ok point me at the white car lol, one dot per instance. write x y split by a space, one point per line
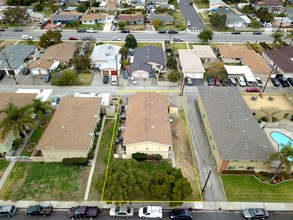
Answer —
150 212
241 81
26 37
114 80
188 23
132 80
121 212
116 39
91 30
258 82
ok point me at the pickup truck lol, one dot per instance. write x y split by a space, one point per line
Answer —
39 210
91 30
87 212
150 212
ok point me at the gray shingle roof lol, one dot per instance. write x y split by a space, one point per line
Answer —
147 54
237 134
15 54
163 18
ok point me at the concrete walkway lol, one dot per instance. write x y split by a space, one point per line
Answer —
89 181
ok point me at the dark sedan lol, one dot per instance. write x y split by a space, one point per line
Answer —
180 214
284 82
290 80
276 82
210 81
47 78
105 79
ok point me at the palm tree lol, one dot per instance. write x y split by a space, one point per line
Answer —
17 119
278 37
40 108
284 156
290 35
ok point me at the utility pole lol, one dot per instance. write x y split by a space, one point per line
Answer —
205 184
273 68
10 68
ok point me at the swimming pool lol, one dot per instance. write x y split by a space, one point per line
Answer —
281 140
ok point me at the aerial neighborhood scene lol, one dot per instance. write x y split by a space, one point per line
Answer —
165 109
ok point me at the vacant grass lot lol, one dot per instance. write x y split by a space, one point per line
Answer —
3 165
178 46
249 189
45 181
144 44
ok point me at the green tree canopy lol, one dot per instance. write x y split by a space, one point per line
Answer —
121 24
264 15
218 21
40 108
248 9
38 7
254 23
65 78
16 15
81 62
123 51
172 62
81 7
130 41
50 38
174 76
278 37
205 36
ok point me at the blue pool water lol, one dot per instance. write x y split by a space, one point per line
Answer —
281 139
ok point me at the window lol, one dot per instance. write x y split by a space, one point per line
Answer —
250 168
231 168
241 167
253 161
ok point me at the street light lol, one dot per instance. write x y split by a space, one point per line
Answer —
10 68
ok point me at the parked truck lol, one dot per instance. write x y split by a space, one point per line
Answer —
150 212
39 210
87 212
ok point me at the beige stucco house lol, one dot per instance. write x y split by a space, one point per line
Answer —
19 100
71 130
147 126
236 139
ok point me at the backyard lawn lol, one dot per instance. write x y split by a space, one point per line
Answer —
249 189
3 165
45 181
178 46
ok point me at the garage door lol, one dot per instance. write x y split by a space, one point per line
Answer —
35 72
135 74
113 73
105 73
145 75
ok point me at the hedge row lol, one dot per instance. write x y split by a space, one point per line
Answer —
247 172
143 156
75 161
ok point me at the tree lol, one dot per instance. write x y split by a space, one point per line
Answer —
81 62
156 23
40 108
123 51
121 24
248 9
65 78
264 15
284 157
278 37
130 41
170 185
205 36
290 35
16 15
16 119
172 62
174 76
218 21
38 7
50 38
81 7
254 23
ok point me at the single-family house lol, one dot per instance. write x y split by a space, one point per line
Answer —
242 145
68 138
236 21
158 2
147 126
204 52
131 18
106 58
281 58
94 18
166 6
19 100
214 4
53 56
147 60
283 22
13 58
191 64
66 16
273 6
165 19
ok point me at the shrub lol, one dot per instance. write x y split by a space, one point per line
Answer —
139 156
154 157
247 172
91 154
16 143
264 118
75 161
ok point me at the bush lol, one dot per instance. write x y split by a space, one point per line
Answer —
264 118
75 161
245 172
174 76
139 156
91 154
154 157
16 143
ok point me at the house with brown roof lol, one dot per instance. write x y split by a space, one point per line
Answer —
131 18
71 131
245 56
281 58
53 57
89 18
147 126
19 100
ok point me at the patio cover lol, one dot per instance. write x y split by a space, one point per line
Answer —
240 70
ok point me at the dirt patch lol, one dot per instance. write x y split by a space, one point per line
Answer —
183 154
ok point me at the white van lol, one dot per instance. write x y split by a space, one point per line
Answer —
27 37
150 212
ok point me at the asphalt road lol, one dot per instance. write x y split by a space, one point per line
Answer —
60 215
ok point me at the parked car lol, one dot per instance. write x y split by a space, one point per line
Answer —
232 82
1 76
105 79
178 39
236 32
188 23
180 214
26 37
2 29
248 83
121 212
116 39
114 80
217 82
290 80
114 27
91 30
55 101
7 210
173 32
276 82
81 30
256 33
132 80
162 32
19 29
87 212
284 82
241 81
188 81
73 38
253 89
39 210
224 82
150 212
125 74
210 81
258 82
125 31
25 71
255 213
47 78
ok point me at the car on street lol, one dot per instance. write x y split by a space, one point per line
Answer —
116 39
125 31
217 82
55 101
173 32
27 37
162 32
2 29
255 213
276 82
83 212
7 210
150 212
178 39
241 81
188 81
39 210
188 23
180 214
47 78
258 82
252 89
210 81
105 79
25 71
284 82
91 30
232 81
132 80
1 76
73 38
290 80
121 211
19 29
257 33
236 32
81 30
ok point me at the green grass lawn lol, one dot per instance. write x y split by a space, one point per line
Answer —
3 165
94 26
29 42
178 46
144 44
249 189
45 181
86 78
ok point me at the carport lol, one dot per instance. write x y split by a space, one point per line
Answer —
240 70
